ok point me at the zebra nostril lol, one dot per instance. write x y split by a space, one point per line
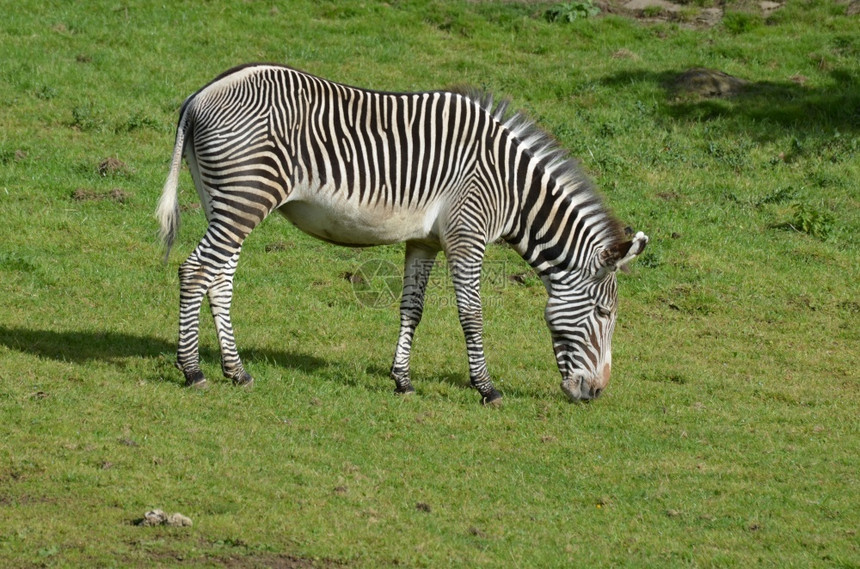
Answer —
597 392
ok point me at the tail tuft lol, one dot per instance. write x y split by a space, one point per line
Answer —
167 212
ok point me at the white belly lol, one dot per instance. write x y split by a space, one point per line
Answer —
347 223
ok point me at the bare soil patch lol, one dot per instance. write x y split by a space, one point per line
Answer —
273 561
687 14
117 195
113 166
702 82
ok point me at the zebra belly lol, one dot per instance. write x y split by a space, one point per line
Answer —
347 224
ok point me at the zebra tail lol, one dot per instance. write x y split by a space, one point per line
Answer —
168 206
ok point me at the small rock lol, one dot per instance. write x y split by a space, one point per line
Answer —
178 520
422 507
159 518
153 518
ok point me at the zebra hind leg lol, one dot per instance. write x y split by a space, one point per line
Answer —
220 298
208 270
195 278
417 268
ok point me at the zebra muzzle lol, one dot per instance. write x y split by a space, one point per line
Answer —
576 389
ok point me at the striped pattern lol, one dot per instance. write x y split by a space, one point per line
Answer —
440 170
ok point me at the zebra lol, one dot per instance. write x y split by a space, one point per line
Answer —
448 170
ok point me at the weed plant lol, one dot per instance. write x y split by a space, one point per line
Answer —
727 438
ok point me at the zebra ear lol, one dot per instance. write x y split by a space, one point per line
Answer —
621 254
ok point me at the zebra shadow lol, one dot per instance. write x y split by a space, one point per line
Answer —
455 379
85 346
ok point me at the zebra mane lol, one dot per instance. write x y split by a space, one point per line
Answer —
544 147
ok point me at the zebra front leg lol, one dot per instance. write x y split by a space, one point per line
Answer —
220 298
466 276
417 268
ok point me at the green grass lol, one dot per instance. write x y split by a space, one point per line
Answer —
728 436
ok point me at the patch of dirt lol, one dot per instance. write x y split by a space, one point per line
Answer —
112 166
686 14
353 278
273 561
117 195
853 8
250 561
799 79
24 500
703 82
277 246
645 7
625 54
477 532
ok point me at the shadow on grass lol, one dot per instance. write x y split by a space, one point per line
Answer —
453 379
763 105
80 346
83 346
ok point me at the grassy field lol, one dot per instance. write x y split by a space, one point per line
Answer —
728 437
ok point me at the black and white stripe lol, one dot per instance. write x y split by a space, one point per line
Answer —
440 170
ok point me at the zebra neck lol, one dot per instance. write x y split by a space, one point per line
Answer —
561 227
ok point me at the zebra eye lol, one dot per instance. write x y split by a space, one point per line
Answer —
603 311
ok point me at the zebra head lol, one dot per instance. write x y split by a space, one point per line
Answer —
581 316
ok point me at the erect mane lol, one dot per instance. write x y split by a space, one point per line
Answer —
556 160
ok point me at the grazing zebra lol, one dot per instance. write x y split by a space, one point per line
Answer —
440 170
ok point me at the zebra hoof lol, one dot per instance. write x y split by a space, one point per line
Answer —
196 380
492 399
245 380
404 390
